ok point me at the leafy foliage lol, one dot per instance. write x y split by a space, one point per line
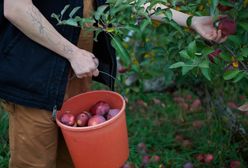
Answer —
153 49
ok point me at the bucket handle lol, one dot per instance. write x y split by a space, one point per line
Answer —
118 81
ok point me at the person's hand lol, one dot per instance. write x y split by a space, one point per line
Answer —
205 27
84 64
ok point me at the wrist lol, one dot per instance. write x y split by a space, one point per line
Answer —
70 52
193 22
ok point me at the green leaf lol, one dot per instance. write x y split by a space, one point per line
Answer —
133 28
176 26
186 69
72 13
117 9
235 40
239 77
205 72
144 24
53 15
244 52
177 65
70 22
116 42
97 32
192 48
231 74
207 50
64 10
100 11
244 25
118 2
204 64
184 54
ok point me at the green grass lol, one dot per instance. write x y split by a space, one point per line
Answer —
4 148
157 125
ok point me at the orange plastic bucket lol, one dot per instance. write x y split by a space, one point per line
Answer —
101 146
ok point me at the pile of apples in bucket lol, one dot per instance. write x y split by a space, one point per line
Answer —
98 113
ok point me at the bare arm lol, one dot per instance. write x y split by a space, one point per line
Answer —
203 25
179 17
25 16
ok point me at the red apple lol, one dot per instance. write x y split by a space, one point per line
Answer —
196 105
197 124
208 158
95 120
146 159
112 113
128 165
187 143
188 97
82 119
68 119
232 105
100 108
179 138
184 106
141 148
224 8
178 99
188 165
200 157
235 164
155 158
214 55
227 26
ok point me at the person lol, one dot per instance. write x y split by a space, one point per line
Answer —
37 62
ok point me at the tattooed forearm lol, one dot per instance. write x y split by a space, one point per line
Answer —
49 34
36 18
67 49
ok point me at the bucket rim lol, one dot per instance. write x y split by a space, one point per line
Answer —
98 126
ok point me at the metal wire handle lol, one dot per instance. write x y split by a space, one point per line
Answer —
118 81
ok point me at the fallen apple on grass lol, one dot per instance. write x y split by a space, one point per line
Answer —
205 158
141 148
197 124
188 165
235 164
196 105
128 165
155 159
146 160
208 158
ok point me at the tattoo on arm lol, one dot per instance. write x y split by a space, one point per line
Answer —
36 20
67 49
38 23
